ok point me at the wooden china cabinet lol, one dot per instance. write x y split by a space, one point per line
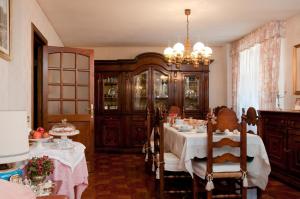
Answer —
125 88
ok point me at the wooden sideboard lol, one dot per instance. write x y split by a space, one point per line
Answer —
125 88
281 135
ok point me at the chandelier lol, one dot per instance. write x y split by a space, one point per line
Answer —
182 54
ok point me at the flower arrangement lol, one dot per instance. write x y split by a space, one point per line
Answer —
41 166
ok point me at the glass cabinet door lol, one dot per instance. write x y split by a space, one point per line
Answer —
110 93
191 92
160 89
140 91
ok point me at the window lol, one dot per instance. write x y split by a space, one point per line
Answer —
249 81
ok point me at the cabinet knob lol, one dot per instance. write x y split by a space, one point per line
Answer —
291 123
287 150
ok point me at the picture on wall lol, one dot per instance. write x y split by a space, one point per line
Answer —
5 29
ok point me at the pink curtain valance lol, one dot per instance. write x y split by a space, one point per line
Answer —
273 29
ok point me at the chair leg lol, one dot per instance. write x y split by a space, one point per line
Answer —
161 183
244 192
209 194
259 193
195 186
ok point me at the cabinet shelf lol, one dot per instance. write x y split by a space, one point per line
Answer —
191 98
161 98
110 84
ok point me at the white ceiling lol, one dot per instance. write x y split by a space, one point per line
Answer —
160 22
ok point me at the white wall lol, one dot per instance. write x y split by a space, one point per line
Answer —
217 81
15 75
292 38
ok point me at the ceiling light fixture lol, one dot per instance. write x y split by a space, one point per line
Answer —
182 54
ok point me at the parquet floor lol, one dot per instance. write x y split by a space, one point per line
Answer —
123 176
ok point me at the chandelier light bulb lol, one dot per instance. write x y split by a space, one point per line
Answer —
194 54
179 48
199 46
168 52
207 51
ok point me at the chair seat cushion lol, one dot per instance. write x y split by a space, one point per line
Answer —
199 168
171 162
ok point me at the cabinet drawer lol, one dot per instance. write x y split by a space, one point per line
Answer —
137 118
275 122
107 118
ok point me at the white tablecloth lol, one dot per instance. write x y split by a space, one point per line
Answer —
69 157
188 145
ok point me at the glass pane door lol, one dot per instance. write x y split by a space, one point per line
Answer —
140 91
68 83
160 89
191 92
110 93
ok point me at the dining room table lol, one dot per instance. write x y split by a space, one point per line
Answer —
190 144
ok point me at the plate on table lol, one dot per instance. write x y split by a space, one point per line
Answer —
71 133
41 139
185 128
63 144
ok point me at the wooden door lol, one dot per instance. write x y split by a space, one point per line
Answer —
275 145
68 91
192 99
293 151
141 99
160 86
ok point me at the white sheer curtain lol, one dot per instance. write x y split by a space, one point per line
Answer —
249 79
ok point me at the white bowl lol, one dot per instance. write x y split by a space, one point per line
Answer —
179 121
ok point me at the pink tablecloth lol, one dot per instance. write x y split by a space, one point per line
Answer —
9 190
73 183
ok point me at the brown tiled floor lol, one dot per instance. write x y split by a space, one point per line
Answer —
123 176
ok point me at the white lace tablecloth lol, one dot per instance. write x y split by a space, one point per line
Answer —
70 157
188 145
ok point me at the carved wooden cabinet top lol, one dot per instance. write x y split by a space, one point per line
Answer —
279 111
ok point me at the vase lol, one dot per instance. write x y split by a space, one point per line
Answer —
37 179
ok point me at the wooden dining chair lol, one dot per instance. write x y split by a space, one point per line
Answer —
217 109
148 147
226 168
252 119
175 110
167 171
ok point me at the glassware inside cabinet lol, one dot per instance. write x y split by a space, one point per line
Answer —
191 92
160 89
140 90
110 93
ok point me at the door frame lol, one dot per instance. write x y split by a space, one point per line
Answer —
36 35
72 117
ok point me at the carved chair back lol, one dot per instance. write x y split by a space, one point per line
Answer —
175 110
226 119
252 119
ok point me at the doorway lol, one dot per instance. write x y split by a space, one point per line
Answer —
38 41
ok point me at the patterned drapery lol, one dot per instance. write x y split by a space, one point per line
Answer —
269 37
